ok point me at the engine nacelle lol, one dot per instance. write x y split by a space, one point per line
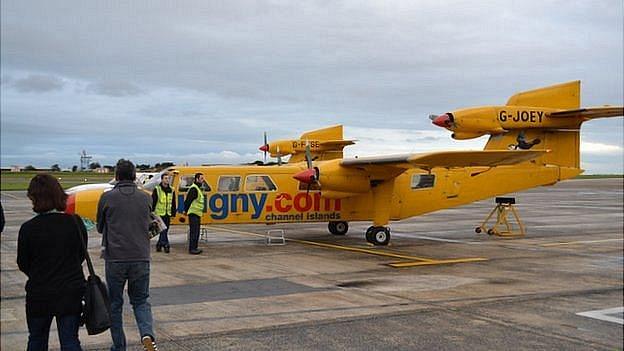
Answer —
473 122
333 176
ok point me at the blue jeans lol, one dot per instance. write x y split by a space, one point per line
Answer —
39 330
137 274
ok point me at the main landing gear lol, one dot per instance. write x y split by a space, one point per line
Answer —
378 235
338 228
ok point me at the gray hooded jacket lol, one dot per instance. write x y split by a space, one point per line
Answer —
123 218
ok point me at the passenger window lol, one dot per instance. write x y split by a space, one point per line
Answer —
187 180
228 184
259 183
420 181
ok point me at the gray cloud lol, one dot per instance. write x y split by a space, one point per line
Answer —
38 83
114 89
223 73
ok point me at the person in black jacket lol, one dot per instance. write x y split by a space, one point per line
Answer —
1 218
50 253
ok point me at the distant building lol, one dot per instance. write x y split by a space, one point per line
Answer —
102 170
16 168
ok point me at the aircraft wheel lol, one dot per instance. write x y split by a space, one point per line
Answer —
338 228
378 235
478 230
369 237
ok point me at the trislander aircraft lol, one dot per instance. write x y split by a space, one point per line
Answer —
534 140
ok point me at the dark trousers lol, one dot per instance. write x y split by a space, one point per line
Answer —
39 331
194 223
163 239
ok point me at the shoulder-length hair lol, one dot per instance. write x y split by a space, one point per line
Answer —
46 194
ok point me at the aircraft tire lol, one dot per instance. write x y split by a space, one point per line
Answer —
378 236
338 228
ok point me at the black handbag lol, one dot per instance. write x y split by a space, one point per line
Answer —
96 312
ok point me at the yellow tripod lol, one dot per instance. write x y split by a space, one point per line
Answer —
504 205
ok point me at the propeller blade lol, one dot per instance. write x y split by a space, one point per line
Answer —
265 144
308 156
432 117
279 157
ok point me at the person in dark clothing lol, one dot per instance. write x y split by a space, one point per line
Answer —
1 218
50 253
194 208
164 205
123 217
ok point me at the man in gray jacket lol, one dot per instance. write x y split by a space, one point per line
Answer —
123 218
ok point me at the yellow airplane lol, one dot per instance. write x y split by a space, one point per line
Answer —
534 141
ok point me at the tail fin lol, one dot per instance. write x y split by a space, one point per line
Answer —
560 96
326 144
562 136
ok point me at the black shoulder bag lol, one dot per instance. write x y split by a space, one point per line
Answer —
96 311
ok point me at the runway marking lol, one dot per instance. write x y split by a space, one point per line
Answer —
10 195
605 315
413 260
436 262
580 242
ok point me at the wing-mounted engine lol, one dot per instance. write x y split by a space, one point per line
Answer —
324 144
549 108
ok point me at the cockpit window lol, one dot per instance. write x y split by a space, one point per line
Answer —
420 181
187 180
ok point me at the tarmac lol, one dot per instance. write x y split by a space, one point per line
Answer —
438 285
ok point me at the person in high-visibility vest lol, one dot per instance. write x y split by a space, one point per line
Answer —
194 208
164 205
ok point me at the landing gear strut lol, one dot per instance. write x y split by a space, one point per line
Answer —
338 228
378 235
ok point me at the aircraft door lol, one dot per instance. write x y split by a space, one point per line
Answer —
453 182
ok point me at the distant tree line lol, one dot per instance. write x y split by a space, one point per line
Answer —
95 165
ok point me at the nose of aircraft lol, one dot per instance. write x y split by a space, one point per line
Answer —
264 147
306 176
443 121
70 208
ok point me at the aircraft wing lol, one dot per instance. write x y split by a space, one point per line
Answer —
590 112
447 159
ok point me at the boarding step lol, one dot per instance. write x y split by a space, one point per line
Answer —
275 237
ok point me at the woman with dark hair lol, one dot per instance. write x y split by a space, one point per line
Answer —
50 253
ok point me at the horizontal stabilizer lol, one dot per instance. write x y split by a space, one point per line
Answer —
590 112
448 159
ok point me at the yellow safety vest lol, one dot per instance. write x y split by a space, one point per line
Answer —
197 206
165 200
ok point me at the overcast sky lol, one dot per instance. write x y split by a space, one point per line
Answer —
200 81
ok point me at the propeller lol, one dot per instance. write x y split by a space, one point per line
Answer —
265 147
279 156
311 174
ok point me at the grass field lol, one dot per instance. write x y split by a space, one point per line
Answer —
20 180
